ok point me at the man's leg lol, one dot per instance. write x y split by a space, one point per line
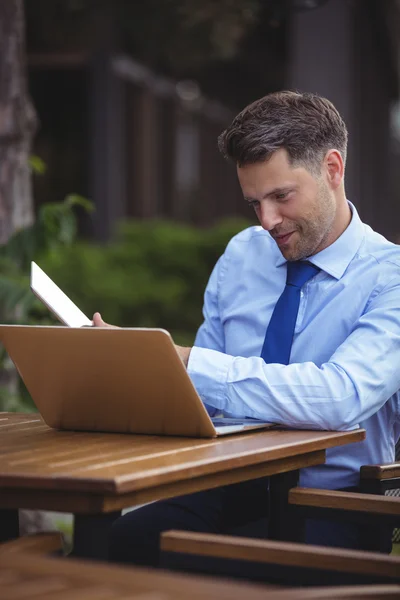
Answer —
346 535
354 536
135 537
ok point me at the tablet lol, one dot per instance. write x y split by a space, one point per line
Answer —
56 301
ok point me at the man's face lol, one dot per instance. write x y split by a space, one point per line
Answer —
297 208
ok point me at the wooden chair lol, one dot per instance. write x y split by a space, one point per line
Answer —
370 507
276 562
377 479
383 479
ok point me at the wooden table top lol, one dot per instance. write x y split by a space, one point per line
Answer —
29 576
34 456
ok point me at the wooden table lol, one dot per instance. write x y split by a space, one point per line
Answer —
95 475
29 576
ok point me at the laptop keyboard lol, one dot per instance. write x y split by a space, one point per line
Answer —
228 422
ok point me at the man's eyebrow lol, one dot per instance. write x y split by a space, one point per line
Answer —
278 190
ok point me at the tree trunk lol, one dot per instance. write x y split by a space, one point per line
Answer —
17 123
17 126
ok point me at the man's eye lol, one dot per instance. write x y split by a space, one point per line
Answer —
281 196
254 204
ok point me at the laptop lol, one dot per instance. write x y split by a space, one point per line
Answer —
128 380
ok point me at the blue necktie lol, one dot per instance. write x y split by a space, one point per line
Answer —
278 339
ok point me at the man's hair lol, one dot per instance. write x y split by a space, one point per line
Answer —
305 125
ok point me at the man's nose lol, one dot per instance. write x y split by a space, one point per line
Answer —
269 216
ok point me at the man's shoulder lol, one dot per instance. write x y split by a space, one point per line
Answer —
246 247
381 249
251 236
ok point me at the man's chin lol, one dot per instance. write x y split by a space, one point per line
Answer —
293 254
289 253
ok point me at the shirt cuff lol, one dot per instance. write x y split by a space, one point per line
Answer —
208 370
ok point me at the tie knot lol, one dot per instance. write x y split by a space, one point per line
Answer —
299 272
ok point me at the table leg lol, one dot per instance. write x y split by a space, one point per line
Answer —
91 535
283 523
9 524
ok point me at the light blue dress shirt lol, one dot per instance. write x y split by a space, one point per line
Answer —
344 369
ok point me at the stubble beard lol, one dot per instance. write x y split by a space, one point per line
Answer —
313 231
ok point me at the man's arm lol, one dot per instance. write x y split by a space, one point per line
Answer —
357 380
183 352
210 334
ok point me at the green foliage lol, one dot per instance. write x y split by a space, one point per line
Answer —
37 165
54 229
55 226
19 401
153 274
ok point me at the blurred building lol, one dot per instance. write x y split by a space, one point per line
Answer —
142 143
348 50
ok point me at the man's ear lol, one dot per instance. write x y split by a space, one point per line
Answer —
334 166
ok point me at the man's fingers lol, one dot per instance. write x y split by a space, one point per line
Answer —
98 322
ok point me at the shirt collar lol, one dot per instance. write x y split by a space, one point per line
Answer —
335 259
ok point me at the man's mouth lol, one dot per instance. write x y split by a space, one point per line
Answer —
281 240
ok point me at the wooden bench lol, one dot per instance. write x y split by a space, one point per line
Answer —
30 576
266 557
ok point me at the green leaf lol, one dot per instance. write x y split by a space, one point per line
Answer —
37 165
77 200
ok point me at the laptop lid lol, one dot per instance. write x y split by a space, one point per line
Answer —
113 380
69 314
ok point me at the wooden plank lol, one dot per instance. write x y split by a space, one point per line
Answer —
60 579
82 578
205 482
89 502
42 543
35 587
371 503
282 553
34 455
354 592
389 471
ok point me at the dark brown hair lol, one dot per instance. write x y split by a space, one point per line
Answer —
306 125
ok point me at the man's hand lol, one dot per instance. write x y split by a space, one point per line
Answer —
184 354
98 322
182 351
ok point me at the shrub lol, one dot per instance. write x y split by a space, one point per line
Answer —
153 274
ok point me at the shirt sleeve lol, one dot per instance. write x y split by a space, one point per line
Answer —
359 378
211 334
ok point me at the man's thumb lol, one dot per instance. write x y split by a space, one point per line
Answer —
97 320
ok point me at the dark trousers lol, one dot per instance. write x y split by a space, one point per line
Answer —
135 537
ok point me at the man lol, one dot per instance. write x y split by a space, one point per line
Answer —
311 344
